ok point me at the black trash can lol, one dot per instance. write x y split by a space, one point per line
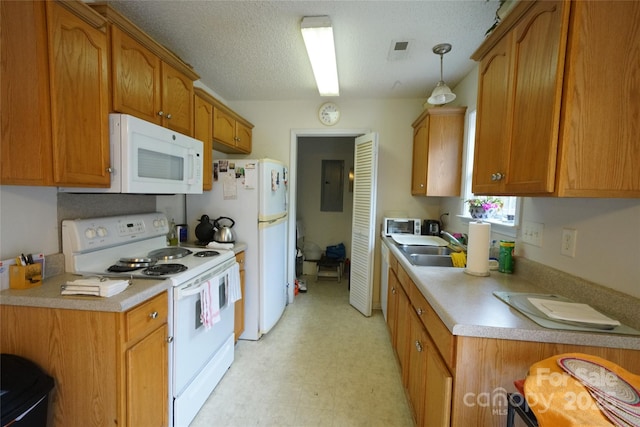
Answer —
24 392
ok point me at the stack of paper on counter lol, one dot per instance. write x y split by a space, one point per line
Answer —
94 286
573 312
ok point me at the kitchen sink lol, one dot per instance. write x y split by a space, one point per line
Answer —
425 250
427 256
421 260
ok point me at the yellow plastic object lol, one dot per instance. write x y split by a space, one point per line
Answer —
459 259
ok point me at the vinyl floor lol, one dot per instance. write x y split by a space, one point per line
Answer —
323 364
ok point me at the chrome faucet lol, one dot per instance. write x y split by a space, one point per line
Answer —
453 241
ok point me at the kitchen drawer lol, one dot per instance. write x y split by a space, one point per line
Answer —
404 279
240 259
146 317
439 333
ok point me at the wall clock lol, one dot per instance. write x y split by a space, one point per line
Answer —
329 113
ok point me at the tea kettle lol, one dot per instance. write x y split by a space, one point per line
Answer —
204 230
223 233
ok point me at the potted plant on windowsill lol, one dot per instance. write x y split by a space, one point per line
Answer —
484 207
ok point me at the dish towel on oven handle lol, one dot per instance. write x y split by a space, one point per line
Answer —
235 292
210 304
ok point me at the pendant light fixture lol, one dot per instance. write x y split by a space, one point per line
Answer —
441 94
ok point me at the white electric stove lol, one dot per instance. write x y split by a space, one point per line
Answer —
135 246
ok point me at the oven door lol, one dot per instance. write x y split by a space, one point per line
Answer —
194 345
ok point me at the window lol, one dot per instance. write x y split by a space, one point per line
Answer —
508 214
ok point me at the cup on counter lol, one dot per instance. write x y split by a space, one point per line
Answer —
182 230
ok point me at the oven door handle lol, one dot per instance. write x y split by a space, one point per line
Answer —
188 290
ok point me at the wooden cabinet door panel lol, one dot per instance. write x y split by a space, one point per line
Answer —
177 100
438 390
136 78
403 333
147 380
600 139
79 99
223 127
491 147
203 131
243 135
418 347
420 153
392 306
538 54
25 117
444 158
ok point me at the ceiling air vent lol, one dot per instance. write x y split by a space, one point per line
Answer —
399 50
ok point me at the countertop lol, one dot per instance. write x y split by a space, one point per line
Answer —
48 294
467 306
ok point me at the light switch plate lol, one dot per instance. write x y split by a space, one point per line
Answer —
569 236
532 233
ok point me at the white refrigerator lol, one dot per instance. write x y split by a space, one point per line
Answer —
254 194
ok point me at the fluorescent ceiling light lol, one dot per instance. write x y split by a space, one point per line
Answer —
318 38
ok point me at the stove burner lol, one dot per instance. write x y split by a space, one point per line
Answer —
204 254
169 253
122 268
163 269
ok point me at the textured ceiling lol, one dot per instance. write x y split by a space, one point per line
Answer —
253 50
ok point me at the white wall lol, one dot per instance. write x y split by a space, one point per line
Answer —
28 220
608 229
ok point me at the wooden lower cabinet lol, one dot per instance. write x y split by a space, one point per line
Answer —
430 383
453 380
109 368
238 328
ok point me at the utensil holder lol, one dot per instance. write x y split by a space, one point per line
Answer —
25 276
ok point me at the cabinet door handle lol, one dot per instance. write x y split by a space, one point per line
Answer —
161 113
497 176
418 346
419 311
153 315
393 291
109 169
169 340
168 116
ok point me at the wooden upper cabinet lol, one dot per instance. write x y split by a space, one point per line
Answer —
231 133
539 44
224 127
25 112
177 100
567 122
491 146
600 142
519 92
244 135
203 131
437 152
79 87
136 78
149 81
55 131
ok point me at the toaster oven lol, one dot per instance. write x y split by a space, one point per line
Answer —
401 226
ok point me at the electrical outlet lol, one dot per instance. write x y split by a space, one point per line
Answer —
569 236
532 233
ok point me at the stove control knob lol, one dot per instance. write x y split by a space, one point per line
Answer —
90 233
102 232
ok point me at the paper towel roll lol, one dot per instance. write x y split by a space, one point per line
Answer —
478 249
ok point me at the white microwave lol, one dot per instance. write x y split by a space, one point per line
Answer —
150 159
401 226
